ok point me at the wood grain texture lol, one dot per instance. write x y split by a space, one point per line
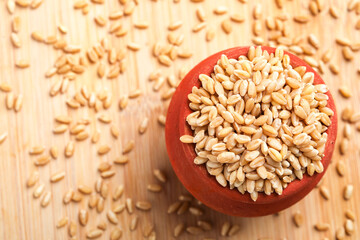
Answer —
22 217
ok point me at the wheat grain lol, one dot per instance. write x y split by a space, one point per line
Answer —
143 125
154 188
347 53
121 160
313 8
225 229
62 222
325 193
81 136
141 24
111 216
350 215
33 179
220 10
143 205
348 191
133 223
42 161
340 168
129 8
16 24
115 132
340 233
93 199
233 230
133 46
185 197
129 146
196 211
204 225
103 149
104 168
83 217
98 185
22 3
5 87
334 12
84 189
135 93
314 41
129 205
3 137
100 205
173 207
226 26
79 4
148 229
45 200
38 191
343 41
102 225
162 119
357 25
118 192
179 228
258 40
302 19
199 27
50 39
10 6
279 3
194 230
68 196
115 27
184 53
60 129
352 5
321 227
345 91
76 197
159 175
210 34
69 149
184 207
94 233
165 60
72 229
115 234
298 219
56 177
108 174
349 227
119 208
334 68
200 14
22 63
175 25
257 11
36 150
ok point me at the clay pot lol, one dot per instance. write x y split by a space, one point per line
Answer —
202 185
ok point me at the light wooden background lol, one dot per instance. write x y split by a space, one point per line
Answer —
22 217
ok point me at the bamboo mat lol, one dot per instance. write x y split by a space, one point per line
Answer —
21 215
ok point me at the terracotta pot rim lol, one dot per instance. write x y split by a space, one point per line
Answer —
176 126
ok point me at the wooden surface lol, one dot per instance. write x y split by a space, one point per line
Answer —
22 217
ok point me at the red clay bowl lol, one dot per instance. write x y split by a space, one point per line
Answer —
202 185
